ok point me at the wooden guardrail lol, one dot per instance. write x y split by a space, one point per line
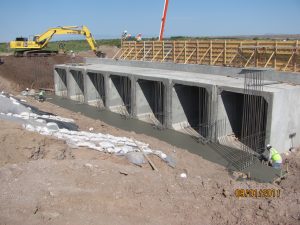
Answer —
280 55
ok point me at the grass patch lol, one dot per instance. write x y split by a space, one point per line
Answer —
3 47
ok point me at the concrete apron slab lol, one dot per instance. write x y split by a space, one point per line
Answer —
258 171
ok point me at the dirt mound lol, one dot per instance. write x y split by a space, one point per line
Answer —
32 72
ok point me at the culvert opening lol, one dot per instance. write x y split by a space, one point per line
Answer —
150 101
190 109
62 81
121 90
96 93
78 85
247 118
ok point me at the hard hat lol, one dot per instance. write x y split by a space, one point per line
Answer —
269 146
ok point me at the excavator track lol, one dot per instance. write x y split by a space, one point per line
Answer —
35 53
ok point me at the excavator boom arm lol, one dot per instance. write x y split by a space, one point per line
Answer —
44 39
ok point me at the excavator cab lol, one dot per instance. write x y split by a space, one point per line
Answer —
35 37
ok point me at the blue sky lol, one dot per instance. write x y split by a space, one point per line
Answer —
107 19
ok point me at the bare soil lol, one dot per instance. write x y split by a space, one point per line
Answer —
33 72
43 181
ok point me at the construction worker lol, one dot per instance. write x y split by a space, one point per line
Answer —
42 96
139 37
124 35
274 157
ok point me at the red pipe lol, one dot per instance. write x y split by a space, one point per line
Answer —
163 20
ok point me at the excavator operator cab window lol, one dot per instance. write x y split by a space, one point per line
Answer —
35 38
21 39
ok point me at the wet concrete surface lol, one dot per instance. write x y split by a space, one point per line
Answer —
257 170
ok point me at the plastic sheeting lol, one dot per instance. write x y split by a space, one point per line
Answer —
15 111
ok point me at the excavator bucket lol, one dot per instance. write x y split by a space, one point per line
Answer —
100 54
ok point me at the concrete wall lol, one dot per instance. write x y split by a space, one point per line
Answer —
75 82
150 100
285 119
190 106
95 89
119 93
230 108
60 82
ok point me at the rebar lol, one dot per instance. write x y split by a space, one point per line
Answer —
254 113
159 102
126 93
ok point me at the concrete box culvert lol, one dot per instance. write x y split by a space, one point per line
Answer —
282 98
191 106
60 81
151 101
75 83
95 89
119 94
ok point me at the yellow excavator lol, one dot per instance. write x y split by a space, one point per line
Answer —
35 47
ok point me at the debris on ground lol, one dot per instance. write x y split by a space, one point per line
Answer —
183 175
136 158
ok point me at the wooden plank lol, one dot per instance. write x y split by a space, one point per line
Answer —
204 55
146 156
210 54
128 53
166 55
174 51
146 55
156 54
188 58
225 53
136 55
217 57
269 59
179 53
295 62
249 59
288 61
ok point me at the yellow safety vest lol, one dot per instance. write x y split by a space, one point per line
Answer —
275 156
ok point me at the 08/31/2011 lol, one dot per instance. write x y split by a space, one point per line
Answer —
258 193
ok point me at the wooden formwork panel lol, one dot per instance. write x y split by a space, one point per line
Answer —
281 55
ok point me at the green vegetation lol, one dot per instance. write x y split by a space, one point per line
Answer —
82 45
75 45
3 47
